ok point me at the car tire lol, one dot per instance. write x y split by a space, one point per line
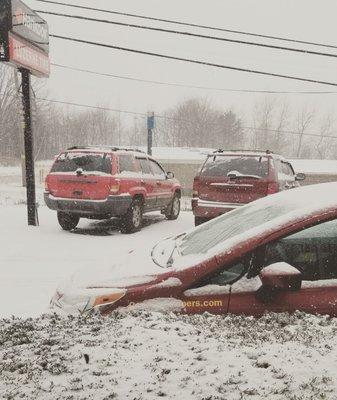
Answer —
200 220
67 221
132 221
173 209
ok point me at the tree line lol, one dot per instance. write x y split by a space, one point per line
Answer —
196 122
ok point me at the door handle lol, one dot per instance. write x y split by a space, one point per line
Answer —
158 183
142 181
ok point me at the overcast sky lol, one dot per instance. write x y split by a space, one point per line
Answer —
309 20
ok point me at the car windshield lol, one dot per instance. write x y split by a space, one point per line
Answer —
88 162
229 225
222 165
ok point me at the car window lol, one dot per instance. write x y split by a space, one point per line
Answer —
126 163
286 169
221 165
226 276
313 251
157 170
145 166
88 162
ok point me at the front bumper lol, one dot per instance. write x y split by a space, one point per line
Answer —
212 209
113 206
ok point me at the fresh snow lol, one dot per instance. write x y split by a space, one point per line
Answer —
280 268
34 261
150 355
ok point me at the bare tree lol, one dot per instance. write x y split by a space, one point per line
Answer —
304 120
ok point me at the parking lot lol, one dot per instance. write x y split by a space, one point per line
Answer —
34 260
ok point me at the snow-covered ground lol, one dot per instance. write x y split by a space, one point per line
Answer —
144 355
138 354
34 260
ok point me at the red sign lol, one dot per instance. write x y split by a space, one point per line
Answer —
23 54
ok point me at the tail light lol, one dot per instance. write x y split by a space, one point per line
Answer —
195 192
114 187
272 188
46 187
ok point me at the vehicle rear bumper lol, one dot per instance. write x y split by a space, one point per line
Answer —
212 209
113 206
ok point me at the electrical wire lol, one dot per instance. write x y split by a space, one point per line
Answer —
193 61
190 24
178 119
188 86
190 34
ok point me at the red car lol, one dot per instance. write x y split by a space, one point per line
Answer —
230 179
275 254
105 182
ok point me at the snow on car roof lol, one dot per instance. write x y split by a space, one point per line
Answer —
219 236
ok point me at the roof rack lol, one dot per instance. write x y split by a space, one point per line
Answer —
244 150
111 148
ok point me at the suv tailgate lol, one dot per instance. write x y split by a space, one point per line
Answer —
80 175
234 179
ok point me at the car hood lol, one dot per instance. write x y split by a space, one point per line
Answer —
90 288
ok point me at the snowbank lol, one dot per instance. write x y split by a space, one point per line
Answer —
146 355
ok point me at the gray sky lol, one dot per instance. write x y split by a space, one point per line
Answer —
301 19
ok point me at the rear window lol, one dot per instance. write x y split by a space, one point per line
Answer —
222 165
88 162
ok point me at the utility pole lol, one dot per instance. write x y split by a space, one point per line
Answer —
150 127
18 103
29 147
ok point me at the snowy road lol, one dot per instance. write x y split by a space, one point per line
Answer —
34 260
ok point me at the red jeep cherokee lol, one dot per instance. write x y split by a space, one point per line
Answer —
104 182
230 179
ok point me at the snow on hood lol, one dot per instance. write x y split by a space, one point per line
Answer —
78 293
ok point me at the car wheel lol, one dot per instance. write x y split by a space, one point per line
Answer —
174 208
133 219
200 220
67 221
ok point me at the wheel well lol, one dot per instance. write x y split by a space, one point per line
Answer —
139 197
178 191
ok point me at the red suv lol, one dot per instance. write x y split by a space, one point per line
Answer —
104 182
230 179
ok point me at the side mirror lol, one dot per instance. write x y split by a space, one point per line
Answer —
300 176
169 175
278 277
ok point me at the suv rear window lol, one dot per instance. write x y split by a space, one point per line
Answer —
221 165
89 162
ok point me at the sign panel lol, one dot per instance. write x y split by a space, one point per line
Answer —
23 54
16 17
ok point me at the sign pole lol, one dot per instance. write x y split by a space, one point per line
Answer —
29 147
150 126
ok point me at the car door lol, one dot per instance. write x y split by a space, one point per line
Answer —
149 183
313 252
213 293
162 186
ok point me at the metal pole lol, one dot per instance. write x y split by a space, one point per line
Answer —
29 148
150 126
149 142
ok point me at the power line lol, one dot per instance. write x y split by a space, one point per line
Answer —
178 119
188 86
191 24
192 61
190 34
89 106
